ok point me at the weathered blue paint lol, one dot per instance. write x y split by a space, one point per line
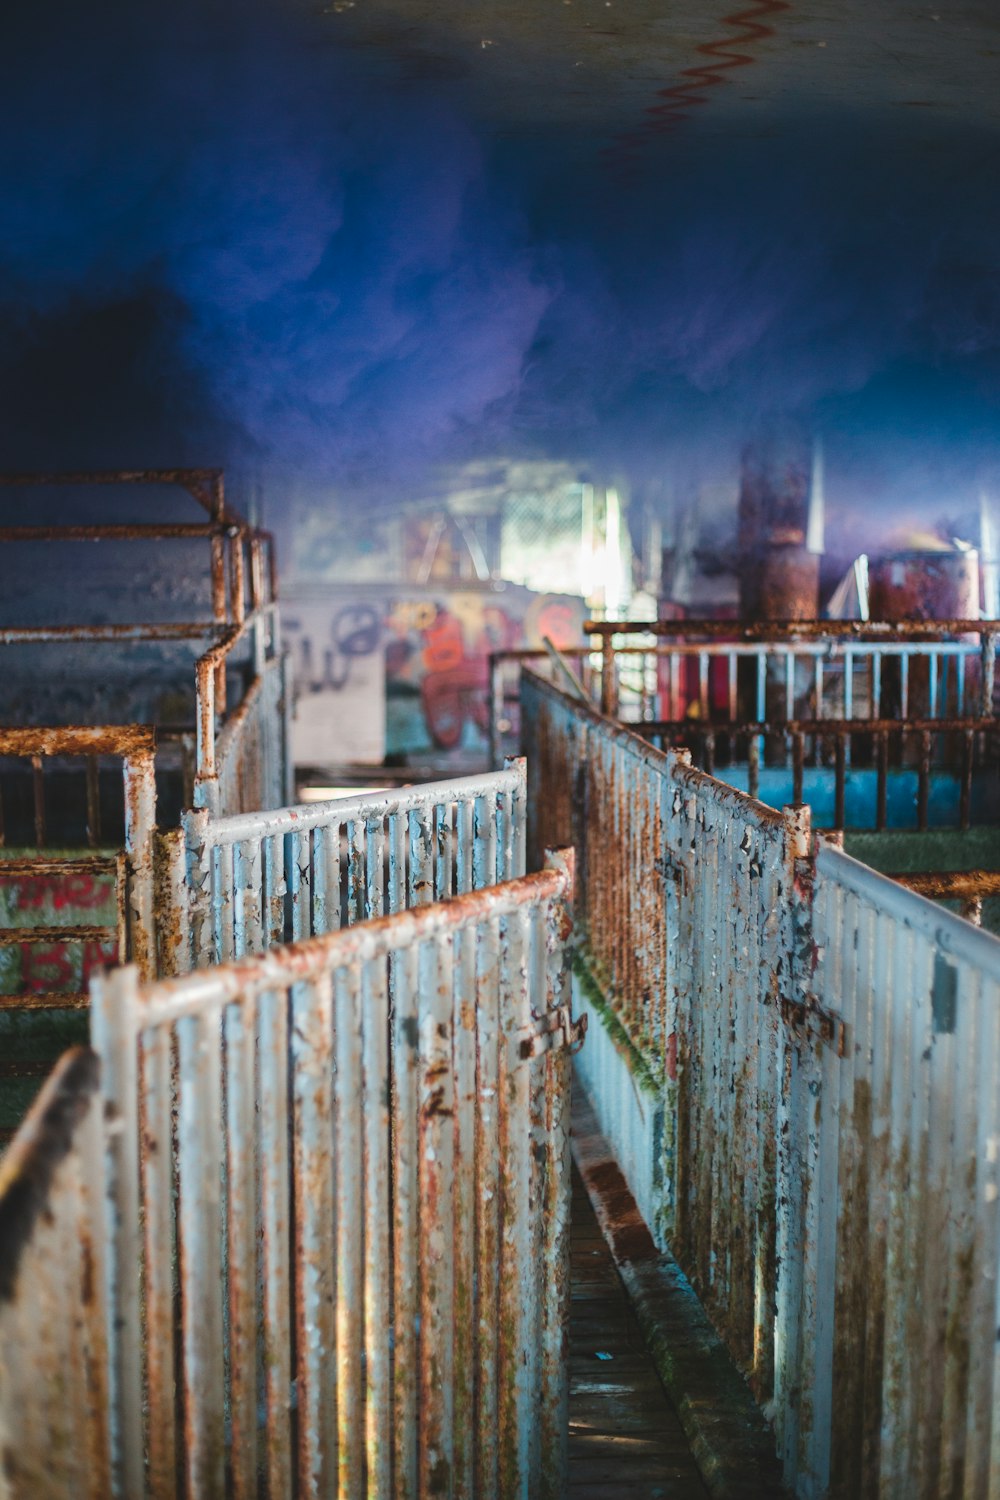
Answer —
860 791
827 1045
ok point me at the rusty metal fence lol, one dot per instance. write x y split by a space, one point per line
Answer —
806 1055
234 689
216 688
335 1220
876 724
887 1302
132 746
238 885
761 670
710 678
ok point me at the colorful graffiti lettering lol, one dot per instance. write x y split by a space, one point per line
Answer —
436 654
55 965
31 893
62 967
355 632
453 690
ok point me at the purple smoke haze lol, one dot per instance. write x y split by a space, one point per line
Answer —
221 238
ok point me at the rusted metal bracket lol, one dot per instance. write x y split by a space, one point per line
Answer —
557 1028
809 1020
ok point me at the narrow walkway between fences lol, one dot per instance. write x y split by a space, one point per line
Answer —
625 1441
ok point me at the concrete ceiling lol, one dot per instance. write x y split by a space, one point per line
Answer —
622 73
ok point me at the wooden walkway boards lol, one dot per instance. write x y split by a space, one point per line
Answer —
625 1442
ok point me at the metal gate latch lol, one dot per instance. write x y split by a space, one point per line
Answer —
556 1028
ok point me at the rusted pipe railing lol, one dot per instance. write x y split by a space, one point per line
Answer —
931 743
212 751
732 671
767 630
134 746
969 887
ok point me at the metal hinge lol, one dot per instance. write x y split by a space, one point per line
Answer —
809 1019
557 1028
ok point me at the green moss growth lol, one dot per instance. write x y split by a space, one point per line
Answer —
638 1065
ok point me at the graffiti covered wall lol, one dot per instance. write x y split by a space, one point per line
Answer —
401 671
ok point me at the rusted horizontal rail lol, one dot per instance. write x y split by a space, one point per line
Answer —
79 739
91 864
139 531
75 933
668 728
205 486
725 646
305 961
16 635
539 653
951 885
658 651
366 808
111 476
774 630
46 1000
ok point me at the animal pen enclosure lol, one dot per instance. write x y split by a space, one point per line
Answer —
795 1061
296 1203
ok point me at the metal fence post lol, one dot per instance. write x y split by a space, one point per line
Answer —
198 856
556 1195
206 786
172 904
140 826
676 987
287 715
804 1334
988 641
519 815
609 678
114 1025
496 700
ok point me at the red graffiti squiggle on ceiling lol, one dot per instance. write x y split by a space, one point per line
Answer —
694 85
